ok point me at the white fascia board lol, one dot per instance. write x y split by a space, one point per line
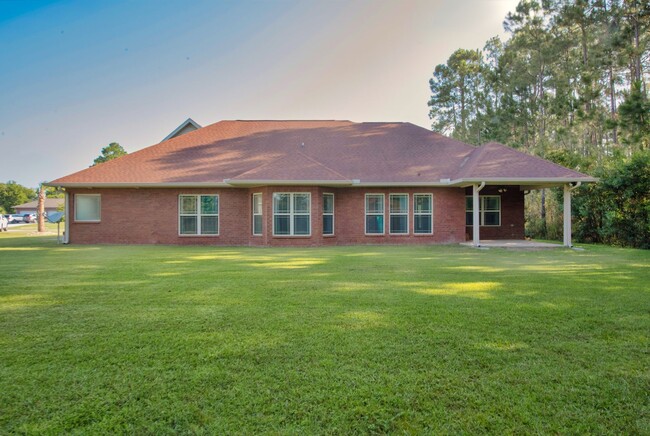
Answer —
141 185
523 181
401 184
253 182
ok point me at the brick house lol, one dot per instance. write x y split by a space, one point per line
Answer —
307 183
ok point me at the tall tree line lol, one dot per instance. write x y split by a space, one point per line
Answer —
573 76
570 83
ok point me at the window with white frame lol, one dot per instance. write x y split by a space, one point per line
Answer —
198 214
489 210
328 214
291 214
257 214
374 214
87 208
398 214
423 214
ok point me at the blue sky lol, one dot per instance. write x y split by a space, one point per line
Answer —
77 75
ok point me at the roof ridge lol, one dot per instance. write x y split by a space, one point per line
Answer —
239 176
473 158
289 121
322 164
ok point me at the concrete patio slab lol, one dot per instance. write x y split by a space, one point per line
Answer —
514 244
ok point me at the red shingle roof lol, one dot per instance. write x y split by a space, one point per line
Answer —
237 152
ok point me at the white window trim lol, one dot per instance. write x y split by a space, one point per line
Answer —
75 208
291 215
261 214
482 210
198 216
391 214
329 235
430 195
383 213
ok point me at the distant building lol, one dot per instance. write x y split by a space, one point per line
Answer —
51 205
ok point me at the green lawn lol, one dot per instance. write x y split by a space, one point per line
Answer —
434 339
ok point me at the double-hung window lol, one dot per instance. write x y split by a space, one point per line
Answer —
328 214
257 214
198 214
399 214
374 214
489 210
87 208
423 214
292 214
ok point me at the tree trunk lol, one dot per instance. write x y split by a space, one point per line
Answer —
637 54
41 209
462 104
612 102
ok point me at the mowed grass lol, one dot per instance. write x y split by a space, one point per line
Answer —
343 340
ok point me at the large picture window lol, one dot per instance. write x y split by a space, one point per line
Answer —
328 214
374 214
489 210
87 208
198 214
423 214
292 214
257 214
399 214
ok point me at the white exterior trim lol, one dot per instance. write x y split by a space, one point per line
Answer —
199 215
408 215
291 215
257 182
365 214
76 208
230 183
66 227
253 214
329 235
429 214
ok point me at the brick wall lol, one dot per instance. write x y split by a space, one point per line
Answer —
150 216
512 214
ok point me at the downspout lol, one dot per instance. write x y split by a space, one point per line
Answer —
567 212
476 237
66 228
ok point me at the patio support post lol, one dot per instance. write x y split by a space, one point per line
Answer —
476 237
567 213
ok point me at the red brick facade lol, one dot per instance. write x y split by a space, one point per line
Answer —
151 216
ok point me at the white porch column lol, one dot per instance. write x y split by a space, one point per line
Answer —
567 215
476 237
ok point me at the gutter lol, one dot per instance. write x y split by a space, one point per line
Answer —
66 227
230 183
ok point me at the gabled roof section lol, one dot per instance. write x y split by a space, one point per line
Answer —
187 126
494 161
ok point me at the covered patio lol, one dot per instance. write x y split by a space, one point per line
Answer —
524 185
